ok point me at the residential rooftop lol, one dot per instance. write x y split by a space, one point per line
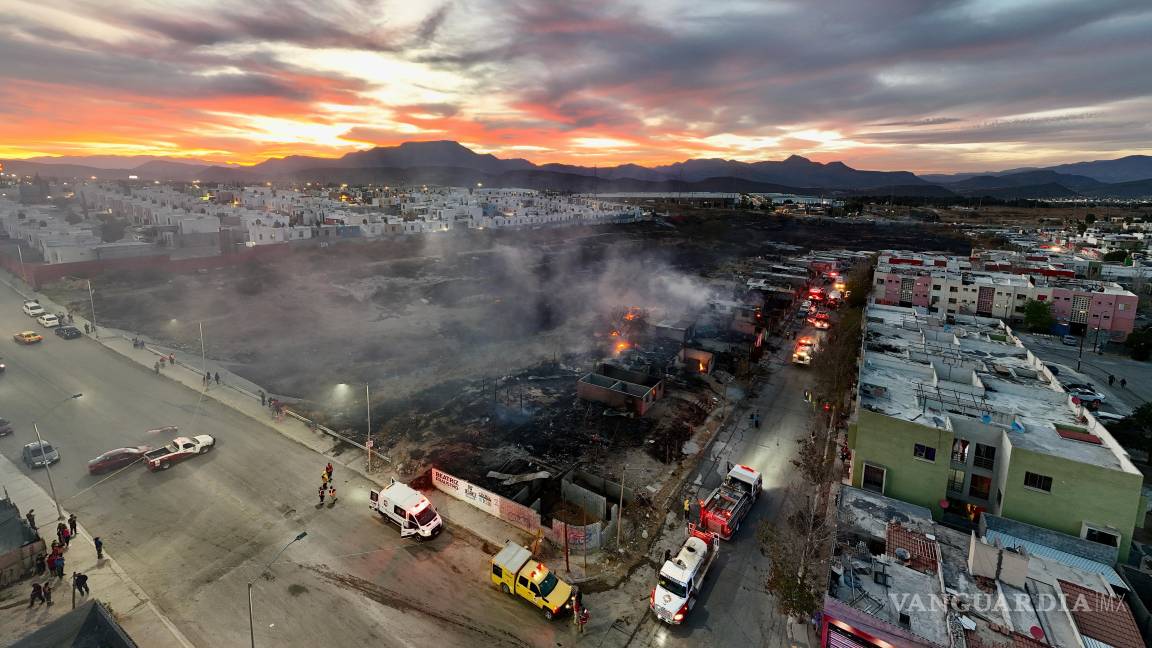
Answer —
973 373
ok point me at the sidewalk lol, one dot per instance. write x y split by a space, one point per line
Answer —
136 613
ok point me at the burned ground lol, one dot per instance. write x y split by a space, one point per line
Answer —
431 323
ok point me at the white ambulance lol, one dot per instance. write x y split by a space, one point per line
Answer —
407 509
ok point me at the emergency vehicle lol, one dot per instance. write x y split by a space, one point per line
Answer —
805 349
728 505
681 577
514 570
407 509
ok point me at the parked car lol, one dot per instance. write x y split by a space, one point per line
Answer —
1087 395
28 337
40 453
48 320
1108 417
5 427
117 458
1070 340
68 332
32 308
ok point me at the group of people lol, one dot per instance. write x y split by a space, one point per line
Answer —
169 359
53 563
327 485
208 377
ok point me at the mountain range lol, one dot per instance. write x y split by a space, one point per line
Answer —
450 163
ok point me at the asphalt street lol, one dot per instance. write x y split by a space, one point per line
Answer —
194 536
1138 375
734 608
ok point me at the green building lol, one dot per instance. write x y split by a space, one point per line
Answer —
959 417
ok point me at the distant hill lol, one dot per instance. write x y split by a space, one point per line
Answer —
1025 179
1125 169
447 162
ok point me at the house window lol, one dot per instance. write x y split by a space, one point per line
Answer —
956 481
873 479
981 487
926 453
985 457
1110 538
1038 482
960 451
935 286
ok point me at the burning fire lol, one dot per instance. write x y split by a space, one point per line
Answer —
622 345
615 333
703 368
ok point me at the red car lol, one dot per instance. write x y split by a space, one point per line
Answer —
114 459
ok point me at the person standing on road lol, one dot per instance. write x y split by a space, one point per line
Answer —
67 535
172 359
217 377
332 494
324 479
156 367
328 470
31 517
41 565
37 595
687 508
263 399
99 547
47 589
1111 379
80 582
1123 383
60 567
72 523
60 531
321 494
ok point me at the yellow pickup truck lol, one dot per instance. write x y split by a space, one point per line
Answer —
514 570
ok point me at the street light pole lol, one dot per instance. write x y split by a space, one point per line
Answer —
92 304
620 511
203 354
40 445
368 400
251 626
48 471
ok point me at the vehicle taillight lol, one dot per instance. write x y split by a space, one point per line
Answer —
725 529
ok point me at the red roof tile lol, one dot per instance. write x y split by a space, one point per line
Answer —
924 553
1103 617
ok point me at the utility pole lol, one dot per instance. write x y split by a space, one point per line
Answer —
203 354
1080 356
368 400
92 304
48 471
20 253
620 511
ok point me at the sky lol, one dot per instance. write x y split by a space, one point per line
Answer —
921 85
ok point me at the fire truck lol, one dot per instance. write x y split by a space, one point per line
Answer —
723 510
681 577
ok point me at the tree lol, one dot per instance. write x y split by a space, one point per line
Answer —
1090 218
1135 431
1038 316
1116 256
859 284
1139 344
111 231
794 547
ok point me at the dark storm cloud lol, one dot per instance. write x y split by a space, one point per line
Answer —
892 61
313 24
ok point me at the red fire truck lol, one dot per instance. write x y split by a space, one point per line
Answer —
723 510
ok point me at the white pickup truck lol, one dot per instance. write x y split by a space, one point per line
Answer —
682 576
180 449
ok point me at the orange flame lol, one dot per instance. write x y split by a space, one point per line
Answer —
615 333
622 345
702 368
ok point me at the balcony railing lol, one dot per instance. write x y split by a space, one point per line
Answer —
959 457
956 487
984 462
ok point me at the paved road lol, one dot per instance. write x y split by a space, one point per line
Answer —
194 536
734 609
1098 367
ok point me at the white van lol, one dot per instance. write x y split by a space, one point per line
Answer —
407 509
